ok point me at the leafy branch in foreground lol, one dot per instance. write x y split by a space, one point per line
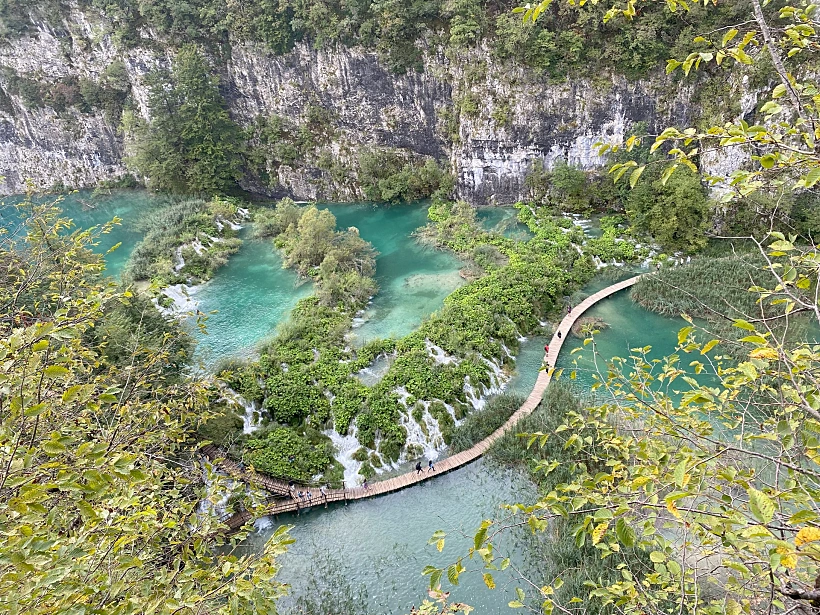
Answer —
99 489
716 484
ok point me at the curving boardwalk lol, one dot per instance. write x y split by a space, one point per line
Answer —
295 504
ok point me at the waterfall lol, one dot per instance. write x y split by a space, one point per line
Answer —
345 447
431 442
438 354
183 298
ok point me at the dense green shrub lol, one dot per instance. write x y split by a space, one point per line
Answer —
445 421
674 214
341 262
389 176
291 398
284 453
176 228
223 429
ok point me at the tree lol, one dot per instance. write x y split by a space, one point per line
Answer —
190 145
99 487
673 213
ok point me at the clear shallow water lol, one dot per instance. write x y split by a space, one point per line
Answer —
630 326
87 210
528 364
413 279
381 543
503 220
251 294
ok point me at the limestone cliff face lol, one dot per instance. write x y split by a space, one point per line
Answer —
489 119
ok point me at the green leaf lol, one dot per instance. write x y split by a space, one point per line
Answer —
452 574
680 473
53 447
55 371
753 339
635 176
728 37
803 516
768 161
812 177
708 346
625 533
760 505
488 580
742 324
657 557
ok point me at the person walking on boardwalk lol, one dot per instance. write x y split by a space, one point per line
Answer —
323 491
418 468
546 348
430 466
559 335
309 496
365 485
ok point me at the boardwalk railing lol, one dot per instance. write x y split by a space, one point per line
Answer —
289 500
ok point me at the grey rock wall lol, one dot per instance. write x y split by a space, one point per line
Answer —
519 117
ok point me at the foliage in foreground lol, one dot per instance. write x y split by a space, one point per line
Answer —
99 491
716 485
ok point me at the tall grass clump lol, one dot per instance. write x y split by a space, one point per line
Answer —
717 291
172 232
481 424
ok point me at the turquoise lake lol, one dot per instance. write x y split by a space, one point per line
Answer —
87 210
380 545
413 279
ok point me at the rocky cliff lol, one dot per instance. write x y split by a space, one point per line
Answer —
491 120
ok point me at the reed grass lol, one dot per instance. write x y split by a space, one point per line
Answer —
481 424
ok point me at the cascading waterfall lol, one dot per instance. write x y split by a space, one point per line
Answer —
438 354
345 447
183 297
431 442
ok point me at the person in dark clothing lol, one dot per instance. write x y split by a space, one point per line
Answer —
430 466
418 467
559 335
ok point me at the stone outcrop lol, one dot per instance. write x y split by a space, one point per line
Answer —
490 120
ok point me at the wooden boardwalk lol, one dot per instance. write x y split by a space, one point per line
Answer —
292 503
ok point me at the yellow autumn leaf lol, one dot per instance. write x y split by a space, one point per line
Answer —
599 532
789 561
806 535
763 353
670 506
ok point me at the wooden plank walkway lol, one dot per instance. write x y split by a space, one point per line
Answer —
289 503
